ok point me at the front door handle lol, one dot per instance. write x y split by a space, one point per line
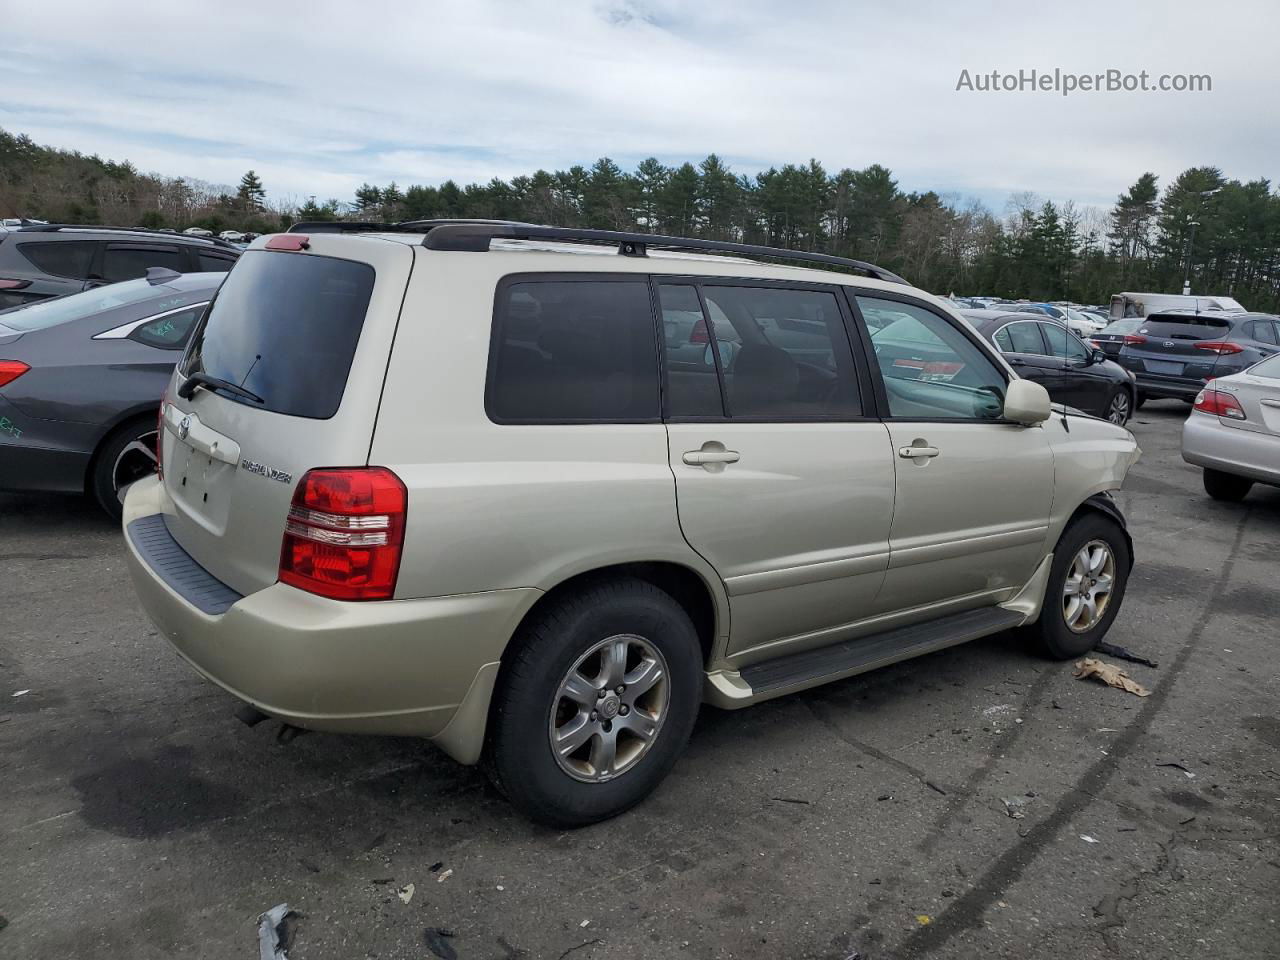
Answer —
917 451
700 458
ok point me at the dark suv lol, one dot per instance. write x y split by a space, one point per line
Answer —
1174 354
49 260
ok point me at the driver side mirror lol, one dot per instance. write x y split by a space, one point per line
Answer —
1026 402
1097 356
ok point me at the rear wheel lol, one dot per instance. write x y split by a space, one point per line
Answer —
126 456
1226 486
1139 400
1086 586
1119 407
596 703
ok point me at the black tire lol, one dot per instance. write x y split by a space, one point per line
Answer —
1119 407
114 463
1051 631
520 756
1226 486
1139 400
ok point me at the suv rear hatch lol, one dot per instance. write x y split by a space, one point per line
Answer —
304 336
1176 346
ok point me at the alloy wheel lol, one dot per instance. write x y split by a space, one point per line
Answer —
137 460
1087 588
609 708
1118 411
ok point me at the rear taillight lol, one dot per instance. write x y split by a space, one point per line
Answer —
699 333
1220 347
1219 404
11 370
345 533
14 284
1134 339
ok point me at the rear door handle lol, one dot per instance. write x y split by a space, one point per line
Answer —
698 458
917 453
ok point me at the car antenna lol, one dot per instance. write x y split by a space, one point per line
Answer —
159 275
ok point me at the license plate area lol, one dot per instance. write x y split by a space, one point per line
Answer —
201 486
1166 367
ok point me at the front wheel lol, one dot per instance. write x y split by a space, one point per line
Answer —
126 456
596 702
1086 587
1226 486
1119 408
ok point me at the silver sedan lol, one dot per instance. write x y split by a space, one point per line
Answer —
1234 431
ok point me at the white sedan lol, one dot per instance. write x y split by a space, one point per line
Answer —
1233 431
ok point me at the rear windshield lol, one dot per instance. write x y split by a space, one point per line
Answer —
1184 328
285 326
1122 326
77 306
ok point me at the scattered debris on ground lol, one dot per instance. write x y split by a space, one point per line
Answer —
923 919
275 932
21 693
444 875
438 942
789 800
1088 839
1109 674
405 893
1013 806
1177 766
1124 653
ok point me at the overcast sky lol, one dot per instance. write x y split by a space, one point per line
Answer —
320 96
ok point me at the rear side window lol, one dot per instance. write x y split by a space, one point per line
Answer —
572 351
215 263
1185 328
1263 331
1021 337
169 331
129 261
285 326
72 259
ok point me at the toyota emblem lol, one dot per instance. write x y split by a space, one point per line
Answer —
184 427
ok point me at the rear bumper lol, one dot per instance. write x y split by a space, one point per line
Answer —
390 667
1178 388
1206 442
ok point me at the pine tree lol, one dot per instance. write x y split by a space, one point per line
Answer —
251 193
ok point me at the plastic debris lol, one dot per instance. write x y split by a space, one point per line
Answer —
405 893
1109 674
438 943
1177 766
274 933
923 919
584 923
1088 839
1124 653
21 693
444 875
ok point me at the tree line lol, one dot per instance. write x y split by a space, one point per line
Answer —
1223 234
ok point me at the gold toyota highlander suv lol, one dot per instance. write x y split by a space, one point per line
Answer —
536 493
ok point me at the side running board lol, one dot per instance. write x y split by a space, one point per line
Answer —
876 650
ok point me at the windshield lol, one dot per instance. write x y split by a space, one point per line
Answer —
77 306
285 327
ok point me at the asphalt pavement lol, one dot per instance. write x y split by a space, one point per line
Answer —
978 802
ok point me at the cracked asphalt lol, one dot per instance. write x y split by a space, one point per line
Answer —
978 802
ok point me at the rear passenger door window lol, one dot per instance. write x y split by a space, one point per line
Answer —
128 261
1021 337
215 262
769 353
573 351
1063 343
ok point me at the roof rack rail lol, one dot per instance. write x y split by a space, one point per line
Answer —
144 231
371 226
475 237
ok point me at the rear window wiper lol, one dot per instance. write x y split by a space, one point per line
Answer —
217 383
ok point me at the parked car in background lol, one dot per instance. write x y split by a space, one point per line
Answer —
1075 373
518 527
1233 431
37 262
1083 324
81 379
231 236
1176 354
197 232
1146 304
1110 339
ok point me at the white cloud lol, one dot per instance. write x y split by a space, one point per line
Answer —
319 97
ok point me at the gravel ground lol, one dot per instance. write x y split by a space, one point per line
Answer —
978 802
